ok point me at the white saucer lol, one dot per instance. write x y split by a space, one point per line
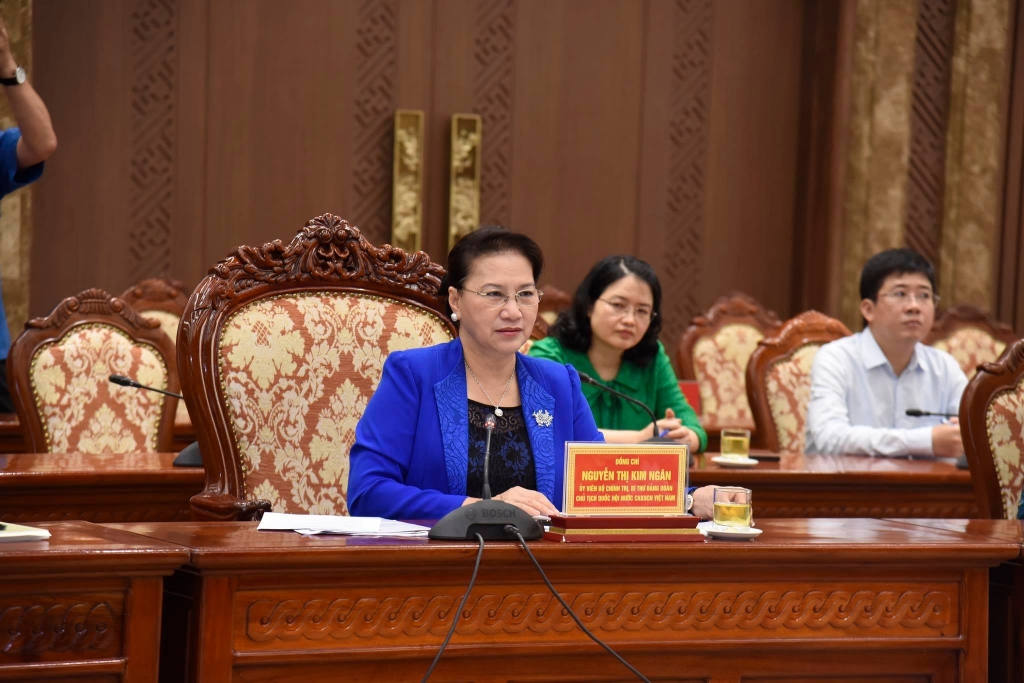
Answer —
725 461
714 531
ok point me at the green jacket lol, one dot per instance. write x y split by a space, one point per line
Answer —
655 384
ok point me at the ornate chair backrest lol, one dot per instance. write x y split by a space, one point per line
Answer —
163 300
971 336
991 422
779 378
281 347
59 369
715 350
552 303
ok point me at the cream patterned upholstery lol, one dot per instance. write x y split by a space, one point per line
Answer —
971 346
720 364
1004 422
789 392
296 372
80 409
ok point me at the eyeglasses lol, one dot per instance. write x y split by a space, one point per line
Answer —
902 296
526 298
621 310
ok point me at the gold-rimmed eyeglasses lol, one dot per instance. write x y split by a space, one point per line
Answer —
525 298
621 310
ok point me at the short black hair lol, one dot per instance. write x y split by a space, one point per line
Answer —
486 241
892 262
573 329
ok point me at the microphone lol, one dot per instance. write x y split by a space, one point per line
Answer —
916 412
489 423
587 379
493 520
129 382
189 455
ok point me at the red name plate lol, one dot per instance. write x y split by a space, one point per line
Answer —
617 479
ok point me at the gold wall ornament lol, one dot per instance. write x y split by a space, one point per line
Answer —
407 181
464 191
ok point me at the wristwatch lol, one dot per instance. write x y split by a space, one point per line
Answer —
689 502
17 79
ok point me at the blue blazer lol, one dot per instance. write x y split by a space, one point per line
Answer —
411 454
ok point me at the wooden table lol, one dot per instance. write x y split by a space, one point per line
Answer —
96 487
798 485
12 440
872 599
86 604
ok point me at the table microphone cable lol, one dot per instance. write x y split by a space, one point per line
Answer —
462 606
511 530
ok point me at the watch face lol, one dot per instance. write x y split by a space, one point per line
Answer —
19 75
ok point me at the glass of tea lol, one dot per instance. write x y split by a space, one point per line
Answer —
736 443
732 507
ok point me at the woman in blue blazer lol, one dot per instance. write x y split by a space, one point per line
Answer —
419 446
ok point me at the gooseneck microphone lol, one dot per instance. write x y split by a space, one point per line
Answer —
486 518
189 455
916 412
587 379
129 382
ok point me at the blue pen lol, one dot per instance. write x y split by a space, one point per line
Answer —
663 433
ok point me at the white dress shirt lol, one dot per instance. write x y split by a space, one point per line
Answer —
858 405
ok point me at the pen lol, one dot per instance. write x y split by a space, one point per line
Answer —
663 433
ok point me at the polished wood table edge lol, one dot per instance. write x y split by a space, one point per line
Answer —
90 548
21 470
58 671
278 550
1010 530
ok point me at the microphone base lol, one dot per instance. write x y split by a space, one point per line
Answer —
487 518
189 456
659 439
961 463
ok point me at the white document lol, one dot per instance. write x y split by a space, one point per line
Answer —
336 524
17 532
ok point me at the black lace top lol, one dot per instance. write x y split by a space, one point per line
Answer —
511 456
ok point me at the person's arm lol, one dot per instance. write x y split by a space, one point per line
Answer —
828 419
38 141
383 450
670 397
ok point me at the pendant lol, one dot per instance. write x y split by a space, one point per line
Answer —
497 411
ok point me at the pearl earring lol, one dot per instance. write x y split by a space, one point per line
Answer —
455 317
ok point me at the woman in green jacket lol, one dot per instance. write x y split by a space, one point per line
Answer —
611 333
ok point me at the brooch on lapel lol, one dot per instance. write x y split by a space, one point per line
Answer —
542 418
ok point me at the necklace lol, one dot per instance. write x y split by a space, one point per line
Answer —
497 410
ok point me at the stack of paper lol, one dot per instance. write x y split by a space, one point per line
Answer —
331 524
17 532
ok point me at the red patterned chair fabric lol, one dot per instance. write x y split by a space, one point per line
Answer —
715 350
971 336
60 370
298 335
992 419
779 379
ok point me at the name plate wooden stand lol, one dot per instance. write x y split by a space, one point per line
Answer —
622 493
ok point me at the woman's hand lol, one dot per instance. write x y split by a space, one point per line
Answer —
533 502
677 431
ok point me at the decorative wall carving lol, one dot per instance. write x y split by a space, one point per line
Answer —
44 623
929 115
540 613
375 104
494 92
464 188
688 158
153 49
407 179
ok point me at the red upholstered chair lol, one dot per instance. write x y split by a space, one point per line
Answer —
163 300
280 349
992 424
779 379
714 351
59 369
971 336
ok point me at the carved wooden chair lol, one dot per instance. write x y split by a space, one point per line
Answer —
715 350
163 300
971 336
779 378
281 346
991 422
552 303
59 369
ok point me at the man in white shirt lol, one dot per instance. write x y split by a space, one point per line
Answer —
863 385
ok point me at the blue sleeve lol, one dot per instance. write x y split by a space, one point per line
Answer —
381 456
11 178
584 427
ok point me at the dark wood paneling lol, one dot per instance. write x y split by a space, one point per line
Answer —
1010 292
